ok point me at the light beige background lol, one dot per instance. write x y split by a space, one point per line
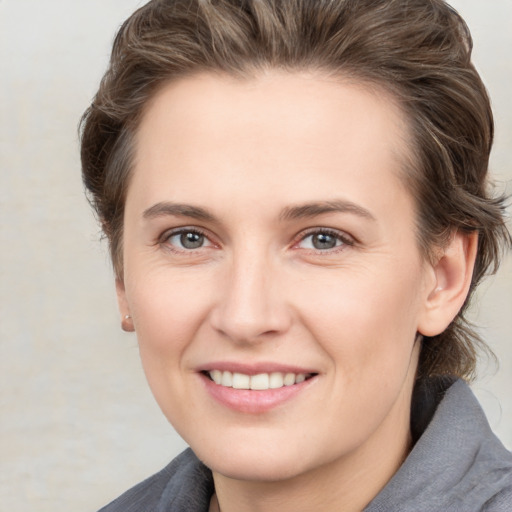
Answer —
77 422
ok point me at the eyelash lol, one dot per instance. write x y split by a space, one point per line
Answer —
344 239
164 240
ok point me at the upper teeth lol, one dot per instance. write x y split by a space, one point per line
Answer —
258 382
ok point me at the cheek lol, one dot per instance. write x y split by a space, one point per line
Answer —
167 312
167 308
366 327
365 319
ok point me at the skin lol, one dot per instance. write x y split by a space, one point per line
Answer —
249 152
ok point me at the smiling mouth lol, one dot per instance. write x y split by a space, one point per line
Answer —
259 382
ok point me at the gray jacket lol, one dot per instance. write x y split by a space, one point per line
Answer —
457 465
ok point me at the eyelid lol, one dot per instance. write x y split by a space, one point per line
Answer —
345 238
163 239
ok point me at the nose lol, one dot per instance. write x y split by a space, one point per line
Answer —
252 305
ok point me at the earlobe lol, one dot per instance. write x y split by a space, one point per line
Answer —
452 272
126 321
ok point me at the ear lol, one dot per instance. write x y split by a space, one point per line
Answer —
126 319
452 273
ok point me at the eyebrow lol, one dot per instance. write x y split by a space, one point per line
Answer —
307 210
319 208
164 209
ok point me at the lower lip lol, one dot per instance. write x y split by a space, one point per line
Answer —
254 401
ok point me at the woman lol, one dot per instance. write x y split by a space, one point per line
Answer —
295 196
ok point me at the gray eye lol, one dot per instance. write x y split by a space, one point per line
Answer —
191 240
188 239
324 241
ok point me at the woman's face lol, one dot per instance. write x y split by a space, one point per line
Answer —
270 243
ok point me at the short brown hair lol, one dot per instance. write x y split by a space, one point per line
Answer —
419 50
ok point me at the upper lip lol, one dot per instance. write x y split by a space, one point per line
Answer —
254 368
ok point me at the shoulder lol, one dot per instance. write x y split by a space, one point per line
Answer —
457 463
185 482
501 502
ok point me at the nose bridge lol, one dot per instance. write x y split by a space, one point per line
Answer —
251 304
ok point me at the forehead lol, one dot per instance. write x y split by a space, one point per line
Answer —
297 98
296 131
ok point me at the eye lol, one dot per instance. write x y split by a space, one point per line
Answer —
323 240
186 239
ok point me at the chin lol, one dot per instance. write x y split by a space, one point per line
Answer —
256 470
263 462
